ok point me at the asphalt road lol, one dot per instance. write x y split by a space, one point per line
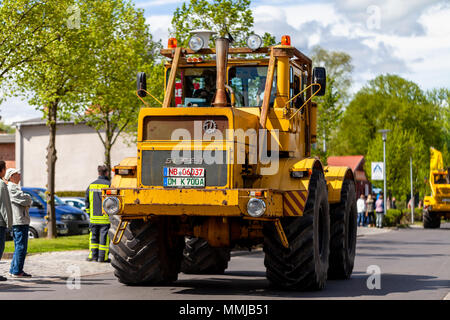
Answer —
413 264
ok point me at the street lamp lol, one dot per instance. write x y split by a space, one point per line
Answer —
411 178
384 135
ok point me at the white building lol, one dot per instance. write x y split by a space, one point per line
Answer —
79 151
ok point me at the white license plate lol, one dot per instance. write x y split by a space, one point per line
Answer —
84 231
183 172
184 182
446 200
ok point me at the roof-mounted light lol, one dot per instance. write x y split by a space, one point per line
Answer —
286 40
172 43
254 42
204 35
196 43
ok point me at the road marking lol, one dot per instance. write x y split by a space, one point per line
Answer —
447 297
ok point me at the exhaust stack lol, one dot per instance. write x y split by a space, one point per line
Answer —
222 45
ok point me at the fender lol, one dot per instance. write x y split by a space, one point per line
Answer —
335 177
283 180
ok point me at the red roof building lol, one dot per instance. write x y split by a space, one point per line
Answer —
356 163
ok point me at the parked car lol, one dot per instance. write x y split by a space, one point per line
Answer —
76 202
74 218
38 229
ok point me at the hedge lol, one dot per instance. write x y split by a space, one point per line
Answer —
71 193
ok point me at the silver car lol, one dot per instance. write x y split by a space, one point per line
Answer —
38 228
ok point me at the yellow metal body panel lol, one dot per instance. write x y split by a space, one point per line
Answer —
335 177
126 181
194 202
440 198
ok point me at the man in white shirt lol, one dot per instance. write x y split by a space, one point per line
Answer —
361 207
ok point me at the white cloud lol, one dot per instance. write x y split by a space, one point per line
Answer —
159 26
155 3
413 39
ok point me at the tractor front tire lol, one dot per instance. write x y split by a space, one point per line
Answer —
304 265
200 258
147 254
431 220
343 233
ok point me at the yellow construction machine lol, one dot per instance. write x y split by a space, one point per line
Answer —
225 161
437 205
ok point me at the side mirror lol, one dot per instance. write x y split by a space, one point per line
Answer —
320 77
141 84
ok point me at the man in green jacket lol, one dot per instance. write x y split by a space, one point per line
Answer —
6 218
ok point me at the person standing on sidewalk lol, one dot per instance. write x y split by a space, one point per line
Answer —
6 218
379 209
99 223
20 202
370 205
361 208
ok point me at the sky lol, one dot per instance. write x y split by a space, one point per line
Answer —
410 38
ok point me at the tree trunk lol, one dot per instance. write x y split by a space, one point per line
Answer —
51 162
108 145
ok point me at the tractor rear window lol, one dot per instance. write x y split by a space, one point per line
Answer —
248 83
194 87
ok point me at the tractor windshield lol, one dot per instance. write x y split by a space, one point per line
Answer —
248 83
441 179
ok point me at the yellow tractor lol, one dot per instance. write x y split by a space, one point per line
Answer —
437 205
225 161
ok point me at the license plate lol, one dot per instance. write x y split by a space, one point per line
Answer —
183 172
446 200
185 182
84 231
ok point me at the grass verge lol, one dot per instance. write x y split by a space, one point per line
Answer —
59 244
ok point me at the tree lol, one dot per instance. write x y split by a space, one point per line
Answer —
121 45
330 106
23 25
391 102
52 79
201 14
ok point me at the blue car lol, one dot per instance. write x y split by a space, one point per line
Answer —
74 218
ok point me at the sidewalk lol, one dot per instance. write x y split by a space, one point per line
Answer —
365 231
58 265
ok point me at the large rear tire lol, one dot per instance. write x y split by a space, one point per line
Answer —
200 258
431 220
147 253
304 265
343 218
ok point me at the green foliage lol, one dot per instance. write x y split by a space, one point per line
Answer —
212 15
80 242
24 26
330 106
4 128
121 45
392 218
71 193
415 120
